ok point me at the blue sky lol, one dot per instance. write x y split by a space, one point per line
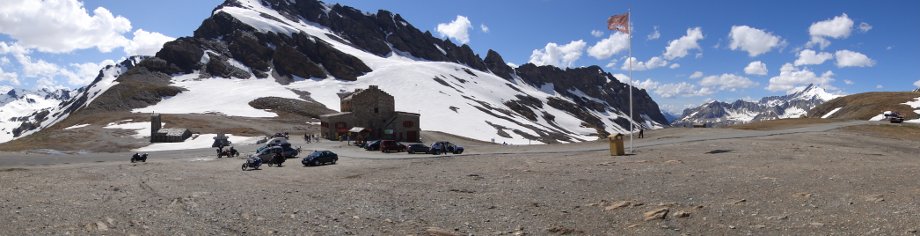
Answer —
861 46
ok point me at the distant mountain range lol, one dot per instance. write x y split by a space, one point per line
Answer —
25 112
794 105
17 106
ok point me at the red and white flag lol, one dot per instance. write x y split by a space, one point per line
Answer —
619 23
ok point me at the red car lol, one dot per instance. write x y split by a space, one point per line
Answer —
391 145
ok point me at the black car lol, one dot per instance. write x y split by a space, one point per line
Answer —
372 145
444 147
320 158
417 148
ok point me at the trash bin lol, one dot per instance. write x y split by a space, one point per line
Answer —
616 145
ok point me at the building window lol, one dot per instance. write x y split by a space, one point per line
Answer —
407 124
376 110
324 124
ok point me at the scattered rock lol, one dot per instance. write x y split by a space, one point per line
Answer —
717 151
816 224
101 226
673 162
618 204
656 214
435 231
875 198
777 217
739 201
803 195
681 214
758 226
563 230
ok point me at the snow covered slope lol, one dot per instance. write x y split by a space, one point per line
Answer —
794 105
34 111
16 106
451 97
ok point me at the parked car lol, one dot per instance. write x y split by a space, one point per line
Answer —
417 148
268 152
445 147
320 158
372 145
391 145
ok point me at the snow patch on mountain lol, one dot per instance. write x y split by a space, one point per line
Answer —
831 113
218 95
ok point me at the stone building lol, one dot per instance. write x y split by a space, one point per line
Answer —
370 114
158 134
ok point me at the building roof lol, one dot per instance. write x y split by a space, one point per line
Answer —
172 131
407 113
335 114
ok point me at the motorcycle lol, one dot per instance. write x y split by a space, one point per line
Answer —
140 158
252 162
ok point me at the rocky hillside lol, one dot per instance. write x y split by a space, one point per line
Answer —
870 106
793 105
301 53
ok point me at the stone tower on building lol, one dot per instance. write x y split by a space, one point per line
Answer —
370 114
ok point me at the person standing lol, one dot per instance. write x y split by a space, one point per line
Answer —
641 133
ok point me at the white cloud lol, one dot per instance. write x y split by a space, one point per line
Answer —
612 64
668 90
652 63
560 56
727 82
917 83
146 43
610 46
459 29
597 33
674 66
9 77
838 27
85 73
847 58
59 26
484 28
682 89
13 48
879 86
679 47
756 68
696 75
848 82
48 83
791 77
78 74
4 61
655 34
864 27
754 41
810 57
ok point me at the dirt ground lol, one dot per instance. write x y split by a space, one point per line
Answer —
841 181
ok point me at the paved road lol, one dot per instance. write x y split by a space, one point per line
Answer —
47 157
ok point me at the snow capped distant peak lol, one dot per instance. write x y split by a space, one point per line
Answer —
813 92
5 89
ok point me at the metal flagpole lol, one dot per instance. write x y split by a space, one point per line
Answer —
631 120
